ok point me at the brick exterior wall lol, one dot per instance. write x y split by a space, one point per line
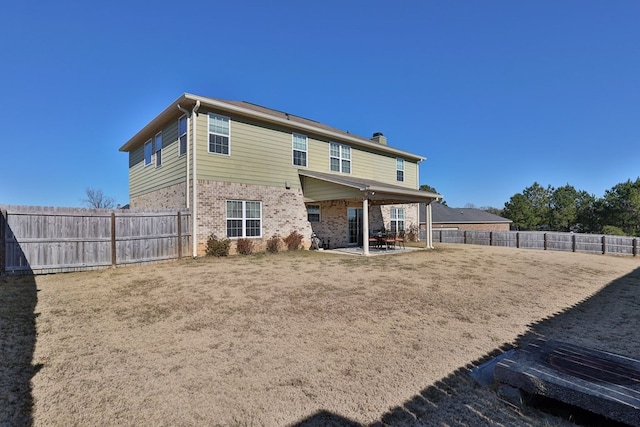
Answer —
411 215
333 227
166 198
283 211
475 227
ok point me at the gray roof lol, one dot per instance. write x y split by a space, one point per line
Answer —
263 114
445 215
377 192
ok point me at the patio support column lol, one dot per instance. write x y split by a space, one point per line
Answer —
429 236
365 226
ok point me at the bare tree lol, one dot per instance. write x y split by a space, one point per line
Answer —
96 199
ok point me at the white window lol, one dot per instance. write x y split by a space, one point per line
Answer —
340 158
182 135
158 147
313 213
400 169
218 134
244 218
397 219
299 149
148 152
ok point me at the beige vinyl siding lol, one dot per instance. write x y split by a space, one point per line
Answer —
261 154
316 190
257 155
173 170
369 165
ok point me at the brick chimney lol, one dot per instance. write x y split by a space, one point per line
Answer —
379 138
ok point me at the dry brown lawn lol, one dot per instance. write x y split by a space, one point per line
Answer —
302 338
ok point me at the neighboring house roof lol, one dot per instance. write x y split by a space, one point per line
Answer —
376 192
445 215
264 114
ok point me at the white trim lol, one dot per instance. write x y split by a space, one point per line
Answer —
149 143
306 150
319 212
189 99
157 150
396 218
186 135
398 161
194 181
341 157
243 218
209 132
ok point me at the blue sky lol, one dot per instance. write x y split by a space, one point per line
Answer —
496 94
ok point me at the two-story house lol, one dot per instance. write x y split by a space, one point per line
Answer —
250 171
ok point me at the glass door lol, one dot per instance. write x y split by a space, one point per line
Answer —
354 218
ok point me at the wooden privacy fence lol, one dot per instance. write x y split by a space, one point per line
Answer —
555 241
49 240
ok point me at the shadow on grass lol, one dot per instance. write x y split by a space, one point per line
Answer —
18 298
613 316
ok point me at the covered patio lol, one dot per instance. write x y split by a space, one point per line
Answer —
356 198
358 250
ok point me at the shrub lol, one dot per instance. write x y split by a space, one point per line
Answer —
612 230
217 247
293 241
273 244
412 233
244 246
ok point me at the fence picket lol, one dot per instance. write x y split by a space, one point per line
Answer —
555 241
46 240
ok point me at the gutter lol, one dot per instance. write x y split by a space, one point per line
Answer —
269 118
187 99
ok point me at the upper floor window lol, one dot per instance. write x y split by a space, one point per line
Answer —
397 219
313 213
340 158
244 218
299 149
218 134
182 135
148 152
400 169
158 148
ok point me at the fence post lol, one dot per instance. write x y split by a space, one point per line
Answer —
179 236
517 240
545 241
3 240
635 247
113 239
464 233
604 245
491 238
573 243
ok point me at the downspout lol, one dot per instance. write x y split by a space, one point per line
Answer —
194 234
187 114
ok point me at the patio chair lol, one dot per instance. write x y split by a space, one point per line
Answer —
400 239
390 240
374 241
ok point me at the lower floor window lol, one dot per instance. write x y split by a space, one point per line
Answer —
244 218
397 219
313 213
